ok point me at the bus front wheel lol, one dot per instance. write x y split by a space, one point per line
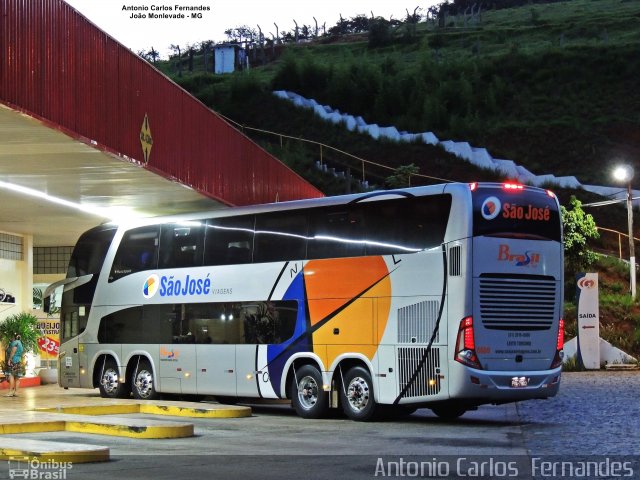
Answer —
110 385
143 383
357 397
307 395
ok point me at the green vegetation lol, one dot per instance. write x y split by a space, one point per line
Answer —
619 315
402 176
578 228
24 324
552 86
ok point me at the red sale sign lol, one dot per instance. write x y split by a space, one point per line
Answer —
49 346
49 343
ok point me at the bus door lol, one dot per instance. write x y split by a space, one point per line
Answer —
216 367
178 368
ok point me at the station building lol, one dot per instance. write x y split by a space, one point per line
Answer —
90 132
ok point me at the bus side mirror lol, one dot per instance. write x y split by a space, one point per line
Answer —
46 304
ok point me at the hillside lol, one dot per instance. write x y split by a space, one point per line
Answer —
619 317
552 86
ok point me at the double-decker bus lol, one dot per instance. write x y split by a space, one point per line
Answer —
446 297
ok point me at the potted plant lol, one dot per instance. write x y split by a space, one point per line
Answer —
24 324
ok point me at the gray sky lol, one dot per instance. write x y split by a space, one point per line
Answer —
144 33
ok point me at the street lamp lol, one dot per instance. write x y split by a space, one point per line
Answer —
625 174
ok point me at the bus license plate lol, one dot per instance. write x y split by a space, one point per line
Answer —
519 382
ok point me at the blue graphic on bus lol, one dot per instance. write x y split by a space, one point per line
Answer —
277 355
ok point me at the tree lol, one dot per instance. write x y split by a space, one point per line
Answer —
402 176
153 55
177 53
379 33
579 227
24 324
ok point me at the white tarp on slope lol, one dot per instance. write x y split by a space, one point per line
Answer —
476 156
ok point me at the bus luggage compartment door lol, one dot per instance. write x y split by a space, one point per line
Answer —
178 368
216 369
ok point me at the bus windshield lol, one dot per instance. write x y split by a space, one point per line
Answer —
515 213
88 254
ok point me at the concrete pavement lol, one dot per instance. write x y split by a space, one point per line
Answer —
50 408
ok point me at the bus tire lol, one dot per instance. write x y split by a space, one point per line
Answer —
307 395
449 411
357 396
109 384
143 382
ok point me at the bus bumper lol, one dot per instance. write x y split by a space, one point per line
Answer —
506 386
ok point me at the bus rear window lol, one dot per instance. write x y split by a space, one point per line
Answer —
527 214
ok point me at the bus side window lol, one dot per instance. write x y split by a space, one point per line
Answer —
138 251
406 225
336 232
181 246
269 322
229 241
243 322
280 237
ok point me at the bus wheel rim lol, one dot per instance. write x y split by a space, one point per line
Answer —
144 383
110 380
308 392
358 394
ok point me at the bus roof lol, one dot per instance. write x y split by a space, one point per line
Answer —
452 188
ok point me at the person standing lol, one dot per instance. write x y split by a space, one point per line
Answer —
13 365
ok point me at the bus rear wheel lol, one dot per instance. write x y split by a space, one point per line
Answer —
109 385
357 397
143 383
307 395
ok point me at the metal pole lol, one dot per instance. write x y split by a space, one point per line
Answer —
632 251
620 245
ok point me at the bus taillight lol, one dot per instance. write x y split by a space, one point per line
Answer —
557 360
560 343
473 186
512 186
466 345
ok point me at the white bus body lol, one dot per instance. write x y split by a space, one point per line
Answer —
445 297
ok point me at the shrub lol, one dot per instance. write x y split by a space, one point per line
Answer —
379 33
24 324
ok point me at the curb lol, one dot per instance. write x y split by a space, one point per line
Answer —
13 449
153 409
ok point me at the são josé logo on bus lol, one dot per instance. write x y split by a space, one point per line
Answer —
490 208
151 286
174 286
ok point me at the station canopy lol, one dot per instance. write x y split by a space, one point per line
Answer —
55 187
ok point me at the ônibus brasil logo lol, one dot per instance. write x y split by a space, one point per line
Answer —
170 286
490 208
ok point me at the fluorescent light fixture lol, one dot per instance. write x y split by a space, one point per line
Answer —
112 213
